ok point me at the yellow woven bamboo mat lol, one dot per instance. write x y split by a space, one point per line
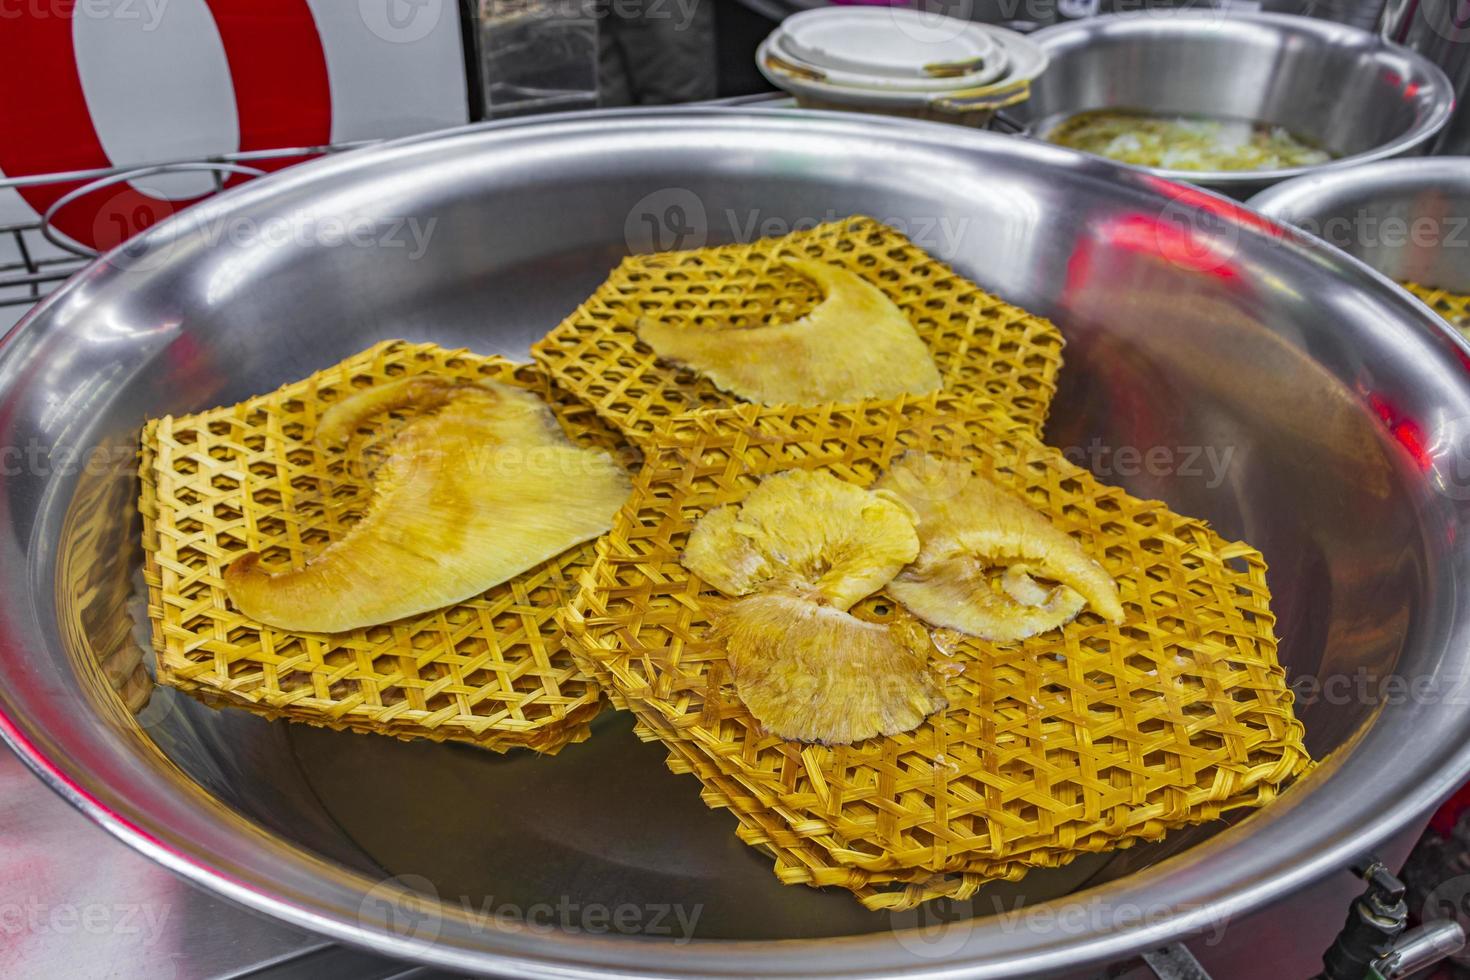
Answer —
1081 740
802 861
1454 307
981 344
94 585
493 671
807 852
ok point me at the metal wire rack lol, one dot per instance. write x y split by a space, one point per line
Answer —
29 269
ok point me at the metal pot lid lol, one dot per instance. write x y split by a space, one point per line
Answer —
890 48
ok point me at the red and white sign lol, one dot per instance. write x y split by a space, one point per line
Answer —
102 83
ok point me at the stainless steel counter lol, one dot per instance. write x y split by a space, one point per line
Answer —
74 903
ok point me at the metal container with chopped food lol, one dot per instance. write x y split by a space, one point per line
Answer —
1217 81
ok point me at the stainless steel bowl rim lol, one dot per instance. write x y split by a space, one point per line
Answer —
1436 89
1308 201
1301 195
1317 836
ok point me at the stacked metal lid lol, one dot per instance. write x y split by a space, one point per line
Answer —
899 61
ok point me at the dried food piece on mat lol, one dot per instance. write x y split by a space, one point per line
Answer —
982 553
807 530
980 345
482 487
811 673
799 551
854 344
493 670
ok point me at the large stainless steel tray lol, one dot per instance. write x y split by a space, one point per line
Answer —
1337 405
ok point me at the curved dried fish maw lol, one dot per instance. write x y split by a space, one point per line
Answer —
983 550
422 392
855 344
813 673
959 592
807 531
467 498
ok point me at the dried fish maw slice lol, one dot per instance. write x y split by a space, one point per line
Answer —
421 392
812 673
960 592
855 344
809 530
968 527
467 498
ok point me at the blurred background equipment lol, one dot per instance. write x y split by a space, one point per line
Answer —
1439 30
900 62
537 55
656 52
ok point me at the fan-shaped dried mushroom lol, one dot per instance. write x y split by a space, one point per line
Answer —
812 673
799 551
806 531
855 344
985 554
467 497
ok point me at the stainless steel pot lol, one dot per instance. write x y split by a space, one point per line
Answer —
1339 87
1439 30
1409 219
1295 401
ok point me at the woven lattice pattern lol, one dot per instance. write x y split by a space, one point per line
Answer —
981 345
1454 307
799 860
1080 740
94 586
493 670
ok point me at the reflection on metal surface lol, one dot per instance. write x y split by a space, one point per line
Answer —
1409 219
1440 31
1267 372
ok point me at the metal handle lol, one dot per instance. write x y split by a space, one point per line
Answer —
52 236
1420 947
1374 945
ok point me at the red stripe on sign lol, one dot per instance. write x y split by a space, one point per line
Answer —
44 123
282 96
